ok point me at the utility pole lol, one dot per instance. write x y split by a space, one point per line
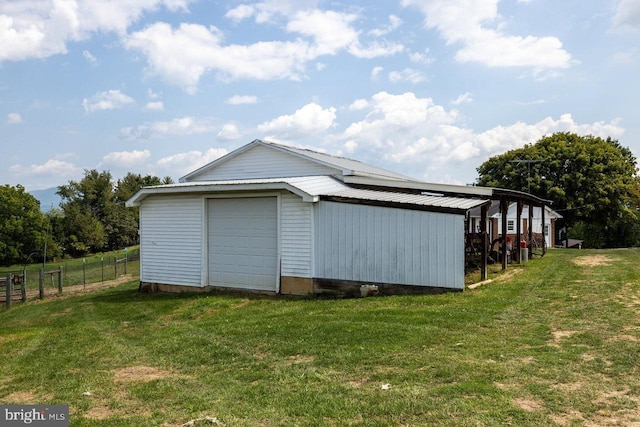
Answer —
46 237
528 162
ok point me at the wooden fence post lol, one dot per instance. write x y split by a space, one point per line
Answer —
9 290
24 284
60 279
41 282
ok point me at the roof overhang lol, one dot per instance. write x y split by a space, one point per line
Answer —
449 189
221 187
315 188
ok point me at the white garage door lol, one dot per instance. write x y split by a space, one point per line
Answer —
243 243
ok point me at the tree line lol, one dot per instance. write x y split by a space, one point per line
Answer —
91 218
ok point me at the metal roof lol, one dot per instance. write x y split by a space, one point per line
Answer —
315 188
343 164
349 166
448 189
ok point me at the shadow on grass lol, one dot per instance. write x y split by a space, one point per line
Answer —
129 293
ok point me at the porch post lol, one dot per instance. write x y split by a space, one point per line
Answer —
530 228
483 248
544 238
504 208
516 245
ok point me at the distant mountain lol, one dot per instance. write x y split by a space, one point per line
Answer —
48 198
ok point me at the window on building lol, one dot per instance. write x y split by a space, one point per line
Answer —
510 225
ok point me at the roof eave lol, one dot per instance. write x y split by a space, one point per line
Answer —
449 189
145 192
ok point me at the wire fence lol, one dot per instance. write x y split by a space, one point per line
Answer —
60 274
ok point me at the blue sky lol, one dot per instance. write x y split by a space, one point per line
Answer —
428 88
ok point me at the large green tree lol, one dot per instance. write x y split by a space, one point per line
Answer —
22 225
85 205
94 213
593 183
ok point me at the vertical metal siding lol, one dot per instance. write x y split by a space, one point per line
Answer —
296 232
263 162
388 245
171 240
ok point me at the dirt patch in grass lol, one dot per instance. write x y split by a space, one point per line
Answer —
70 291
26 397
593 260
140 374
358 383
508 274
529 405
569 418
610 416
625 338
130 406
100 412
629 296
559 336
298 360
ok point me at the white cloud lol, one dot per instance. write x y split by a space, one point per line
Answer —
394 24
465 98
183 163
307 121
421 58
229 132
153 95
242 99
269 10
182 56
109 100
627 15
125 159
52 168
241 12
375 49
407 75
14 118
533 102
90 58
30 29
422 139
359 104
375 73
178 126
154 106
331 31
466 22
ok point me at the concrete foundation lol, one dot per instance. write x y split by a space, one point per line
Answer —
296 285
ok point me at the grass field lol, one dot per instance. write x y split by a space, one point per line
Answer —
555 342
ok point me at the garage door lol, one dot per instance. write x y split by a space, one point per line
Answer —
243 243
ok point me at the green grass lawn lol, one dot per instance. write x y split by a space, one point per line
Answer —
554 342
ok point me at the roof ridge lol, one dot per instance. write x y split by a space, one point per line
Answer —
285 146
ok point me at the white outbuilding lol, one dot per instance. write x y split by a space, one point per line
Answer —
283 220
